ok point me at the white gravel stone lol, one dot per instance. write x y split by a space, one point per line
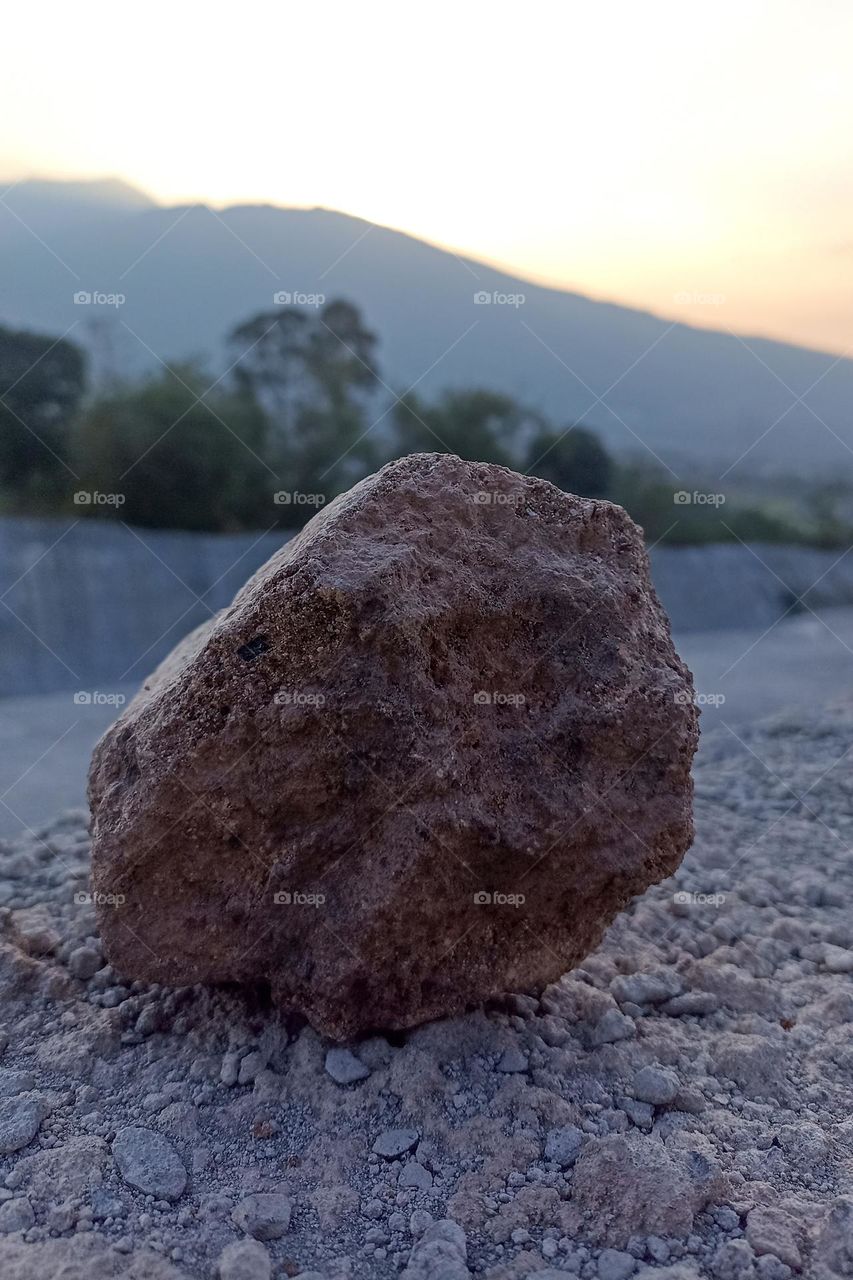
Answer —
646 988
84 963
691 1004
20 1120
396 1142
14 1082
512 1060
244 1260
148 1161
563 1145
656 1085
250 1067
16 1215
771 1230
344 1067
612 1027
263 1215
415 1175
419 1221
614 1264
440 1254
837 959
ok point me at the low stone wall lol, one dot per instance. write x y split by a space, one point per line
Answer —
728 585
90 604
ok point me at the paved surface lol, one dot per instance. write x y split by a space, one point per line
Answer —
45 745
801 663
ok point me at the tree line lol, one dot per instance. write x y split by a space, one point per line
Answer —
301 414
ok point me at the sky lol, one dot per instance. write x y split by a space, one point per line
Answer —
694 160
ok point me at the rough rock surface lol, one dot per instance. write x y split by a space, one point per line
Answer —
736 1178
432 748
147 1161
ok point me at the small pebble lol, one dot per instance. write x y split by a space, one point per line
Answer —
148 1161
395 1142
244 1260
263 1215
344 1067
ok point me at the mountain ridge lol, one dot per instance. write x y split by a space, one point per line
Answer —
650 384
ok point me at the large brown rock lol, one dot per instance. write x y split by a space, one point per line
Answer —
430 750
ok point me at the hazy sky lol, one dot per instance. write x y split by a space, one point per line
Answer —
693 159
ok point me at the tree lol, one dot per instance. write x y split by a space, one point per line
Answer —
314 377
482 426
176 457
268 364
573 460
41 383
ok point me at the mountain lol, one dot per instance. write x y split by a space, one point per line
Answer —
52 207
691 397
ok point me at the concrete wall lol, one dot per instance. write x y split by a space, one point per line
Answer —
90 605
728 585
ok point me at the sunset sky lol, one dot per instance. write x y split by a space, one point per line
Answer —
695 160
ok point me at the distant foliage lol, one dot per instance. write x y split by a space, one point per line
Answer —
302 414
573 459
482 426
41 384
175 457
314 377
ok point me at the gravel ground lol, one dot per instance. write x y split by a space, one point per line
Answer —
678 1107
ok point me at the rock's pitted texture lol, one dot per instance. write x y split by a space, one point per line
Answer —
434 745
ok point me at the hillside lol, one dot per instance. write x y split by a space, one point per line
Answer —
690 396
